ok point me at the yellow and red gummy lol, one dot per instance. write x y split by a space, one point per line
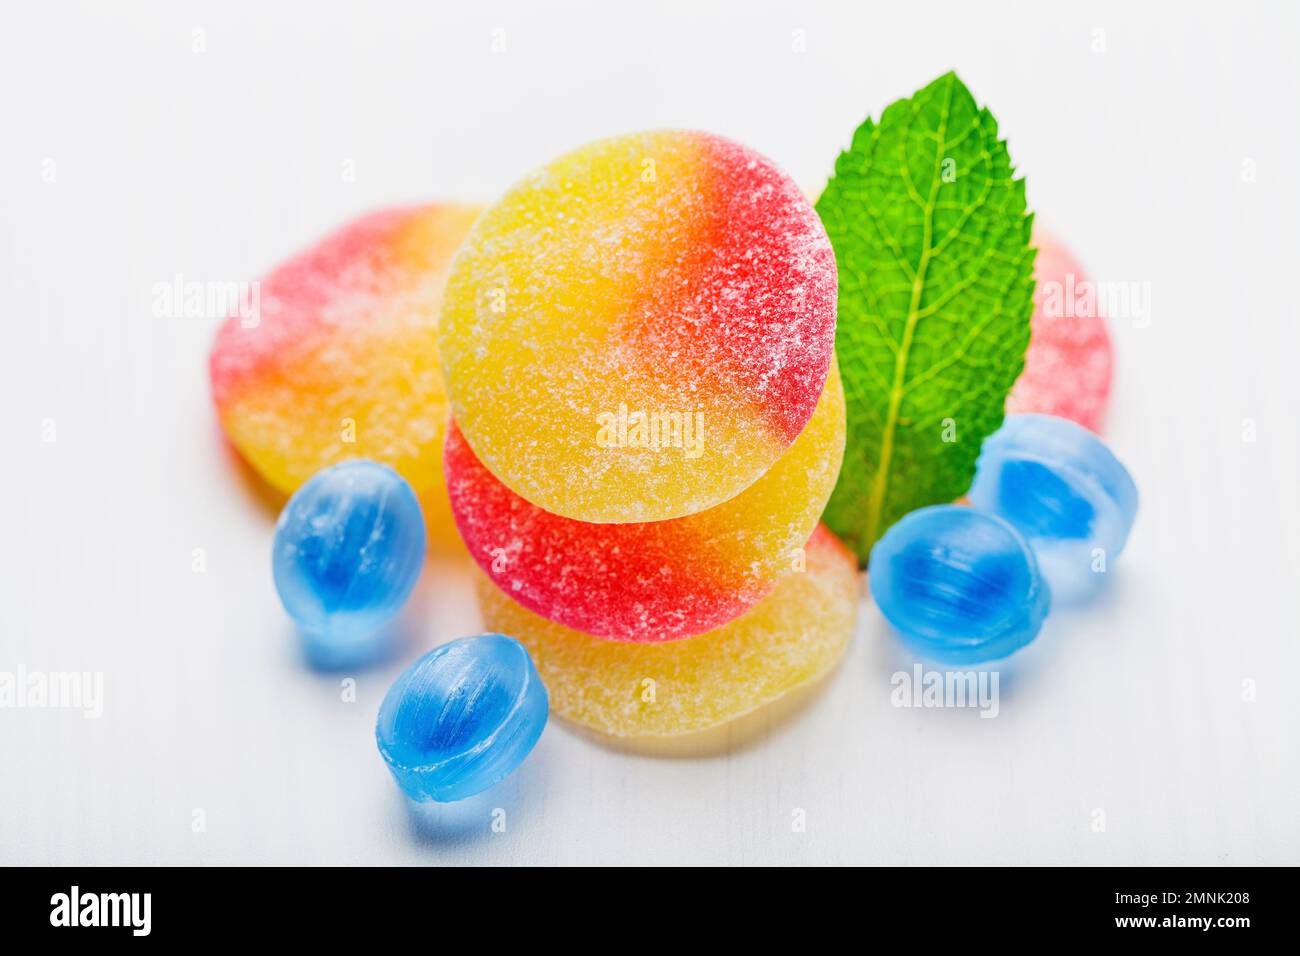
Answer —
662 273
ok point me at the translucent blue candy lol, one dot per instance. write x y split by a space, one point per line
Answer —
959 586
348 549
461 718
1067 494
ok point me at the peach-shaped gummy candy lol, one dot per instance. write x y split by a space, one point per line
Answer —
792 637
657 580
638 281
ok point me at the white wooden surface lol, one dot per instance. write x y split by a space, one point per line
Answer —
214 165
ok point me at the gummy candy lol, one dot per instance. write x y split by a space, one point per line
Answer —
1068 365
958 585
461 718
1065 491
348 549
658 580
340 358
640 329
790 638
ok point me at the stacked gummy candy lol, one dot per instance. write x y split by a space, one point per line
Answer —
638 347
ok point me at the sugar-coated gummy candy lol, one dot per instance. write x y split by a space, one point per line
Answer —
658 580
461 718
1065 491
349 546
640 329
958 585
792 637
1068 364
339 358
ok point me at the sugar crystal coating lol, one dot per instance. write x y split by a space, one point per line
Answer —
641 328
1068 364
658 580
461 718
1065 491
958 585
792 637
339 359
349 546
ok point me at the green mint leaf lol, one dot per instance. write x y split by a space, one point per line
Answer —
936 289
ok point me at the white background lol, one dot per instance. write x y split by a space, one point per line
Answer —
216 165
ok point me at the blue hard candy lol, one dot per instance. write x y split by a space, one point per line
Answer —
348 549
958 585
1064 491
462 718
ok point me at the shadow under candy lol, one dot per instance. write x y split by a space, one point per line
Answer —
511 803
